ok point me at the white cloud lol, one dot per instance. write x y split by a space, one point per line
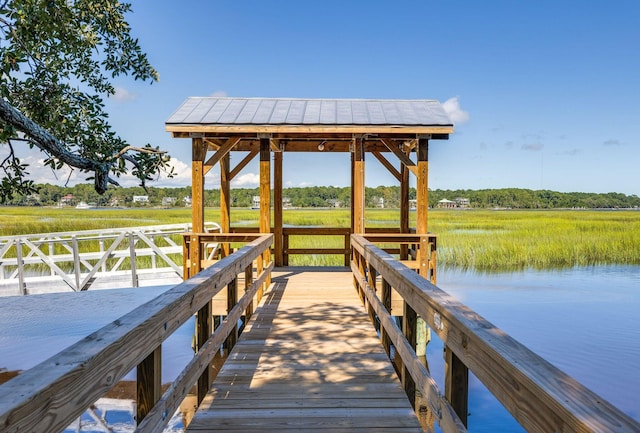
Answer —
42 174
452 108
246 180
612 142
534 147
123 95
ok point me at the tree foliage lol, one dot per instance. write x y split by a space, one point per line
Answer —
331 196
57 61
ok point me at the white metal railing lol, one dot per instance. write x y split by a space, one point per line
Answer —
79 260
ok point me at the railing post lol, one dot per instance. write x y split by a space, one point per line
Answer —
372 282
285 248
203 332
132 257
456 385
76 261
232 300
385 297
248 281
52 252
260 266
409 328
194 255
23 285
148 383
347 249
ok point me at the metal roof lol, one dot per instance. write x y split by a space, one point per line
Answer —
280 111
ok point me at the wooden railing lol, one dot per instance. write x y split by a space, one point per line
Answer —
78 260
403 245
538 395
51 395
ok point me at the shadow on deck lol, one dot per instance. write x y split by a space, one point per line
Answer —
308 359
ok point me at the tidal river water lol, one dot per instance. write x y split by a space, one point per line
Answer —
585 321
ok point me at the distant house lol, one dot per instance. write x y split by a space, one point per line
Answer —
462 202
255 203
141 199
446 204
67 200
459 203
334 202
168 201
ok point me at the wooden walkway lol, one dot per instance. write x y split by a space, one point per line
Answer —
309 359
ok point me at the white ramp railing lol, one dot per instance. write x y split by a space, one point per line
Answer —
120 257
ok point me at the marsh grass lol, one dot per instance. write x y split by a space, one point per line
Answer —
474 239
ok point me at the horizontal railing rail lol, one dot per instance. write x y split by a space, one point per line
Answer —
49 396
399 245
538 395
77 260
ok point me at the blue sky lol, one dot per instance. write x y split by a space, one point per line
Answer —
544 94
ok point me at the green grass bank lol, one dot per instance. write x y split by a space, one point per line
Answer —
484 240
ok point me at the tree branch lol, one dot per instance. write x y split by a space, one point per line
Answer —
49 143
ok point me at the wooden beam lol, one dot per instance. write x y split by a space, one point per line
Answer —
221 153
385 162
400 154
297 129
242 164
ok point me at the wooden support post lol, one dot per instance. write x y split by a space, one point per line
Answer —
456 385
225 200
148 383
353 186
404 209
422 187
203 332
385 297
199 152
277 208
265 199
232 300
358 187
409 328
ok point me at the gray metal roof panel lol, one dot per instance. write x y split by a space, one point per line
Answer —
281 111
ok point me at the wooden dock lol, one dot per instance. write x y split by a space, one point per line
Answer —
309 359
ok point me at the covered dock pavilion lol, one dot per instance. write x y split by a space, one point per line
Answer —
395 132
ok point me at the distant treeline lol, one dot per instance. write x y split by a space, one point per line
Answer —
328 196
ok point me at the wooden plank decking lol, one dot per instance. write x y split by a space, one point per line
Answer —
309 359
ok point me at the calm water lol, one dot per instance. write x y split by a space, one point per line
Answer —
585 321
